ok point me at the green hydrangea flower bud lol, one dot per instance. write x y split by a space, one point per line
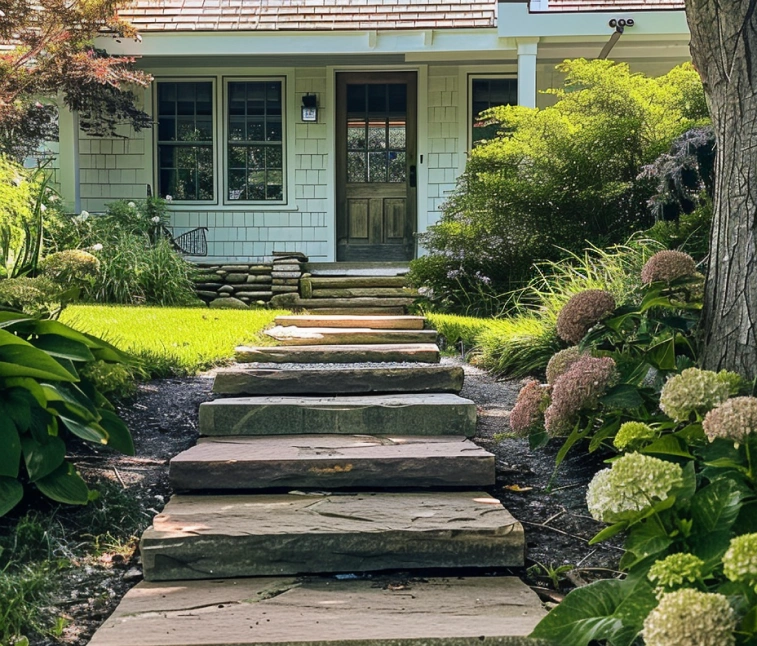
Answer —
740 561
675 570
632 432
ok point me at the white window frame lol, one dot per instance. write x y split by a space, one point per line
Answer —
469 97
215 121
224 131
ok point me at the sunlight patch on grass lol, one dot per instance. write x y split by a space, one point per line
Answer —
173 340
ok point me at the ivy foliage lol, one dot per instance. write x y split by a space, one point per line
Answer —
557 177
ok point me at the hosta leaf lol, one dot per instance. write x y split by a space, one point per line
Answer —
663 354
668 445
119 436
64 485
11 493
624 396
715 507
60 346
43 458
28 361
88 432
74 398
10 447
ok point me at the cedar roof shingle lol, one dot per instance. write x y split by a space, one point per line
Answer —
307 15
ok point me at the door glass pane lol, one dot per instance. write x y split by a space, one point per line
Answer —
485 94
376 132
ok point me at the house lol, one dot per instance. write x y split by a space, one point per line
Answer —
336 129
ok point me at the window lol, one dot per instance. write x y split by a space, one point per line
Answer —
254 141
185 140
487 93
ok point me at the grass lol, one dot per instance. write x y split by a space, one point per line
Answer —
172 340
521 344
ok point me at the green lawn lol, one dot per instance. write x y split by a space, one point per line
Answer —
173 340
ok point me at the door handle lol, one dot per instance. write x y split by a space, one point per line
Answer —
413 177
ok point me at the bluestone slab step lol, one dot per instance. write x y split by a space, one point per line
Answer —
345 320
362 311
402 414
394 352
329 462
210 536
471 611
315 381
292 335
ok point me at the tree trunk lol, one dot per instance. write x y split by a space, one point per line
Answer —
724 50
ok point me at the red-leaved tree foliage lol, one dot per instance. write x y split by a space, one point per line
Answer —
47 54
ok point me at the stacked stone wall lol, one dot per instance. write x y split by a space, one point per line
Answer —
237 285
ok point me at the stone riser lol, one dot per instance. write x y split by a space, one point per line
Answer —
352 321
202 537
348 336
327 462
388 353
401 415
362 381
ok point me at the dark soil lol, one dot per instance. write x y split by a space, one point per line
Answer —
163 419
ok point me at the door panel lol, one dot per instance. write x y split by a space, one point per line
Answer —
376 150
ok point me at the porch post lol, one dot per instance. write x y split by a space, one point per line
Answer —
527 48
68 158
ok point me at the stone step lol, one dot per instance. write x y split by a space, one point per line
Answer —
346 320
362 311
329 462
311 379
395 415
350 303
398 352
204 537
349 282
368 292
317 611
348 336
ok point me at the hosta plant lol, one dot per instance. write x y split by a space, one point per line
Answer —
44 400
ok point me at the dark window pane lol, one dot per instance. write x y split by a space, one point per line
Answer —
256 157
204 129
485 94
237 156
167 182
274 158
377 98
186 129
236 129
397 98
186 187
377 167
273 131
356 98
166 129
255 129
274 185
186 158
237 184
166 156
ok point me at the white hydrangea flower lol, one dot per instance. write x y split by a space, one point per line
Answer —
633 483
693 391
97 247
169 198
54 197
688 617
132 205
84 215
42 208
740 561
156 219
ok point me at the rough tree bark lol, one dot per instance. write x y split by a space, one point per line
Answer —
724 50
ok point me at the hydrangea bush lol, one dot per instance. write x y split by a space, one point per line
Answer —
683 488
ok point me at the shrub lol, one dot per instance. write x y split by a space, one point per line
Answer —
38 296
70 268
555 178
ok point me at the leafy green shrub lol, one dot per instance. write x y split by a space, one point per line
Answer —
70 268
138 265
111 378
43 397
522 343
553 179
690 233
38 296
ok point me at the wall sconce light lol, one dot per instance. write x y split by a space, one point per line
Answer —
309 107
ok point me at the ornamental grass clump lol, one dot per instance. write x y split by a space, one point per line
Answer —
579 388
667 266
734 420
582 312
689 617
633 433
561 362
676 570
528 412
740 561
693 391
633 484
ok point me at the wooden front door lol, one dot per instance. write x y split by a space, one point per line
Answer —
376 166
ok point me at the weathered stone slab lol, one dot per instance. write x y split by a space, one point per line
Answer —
346 282
407 352
283 266
316 303
253 295
292 335
328 462
371 292
434 414
202 537
408 379
236 278
387 611
344 320
285 274
228 304
363 311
